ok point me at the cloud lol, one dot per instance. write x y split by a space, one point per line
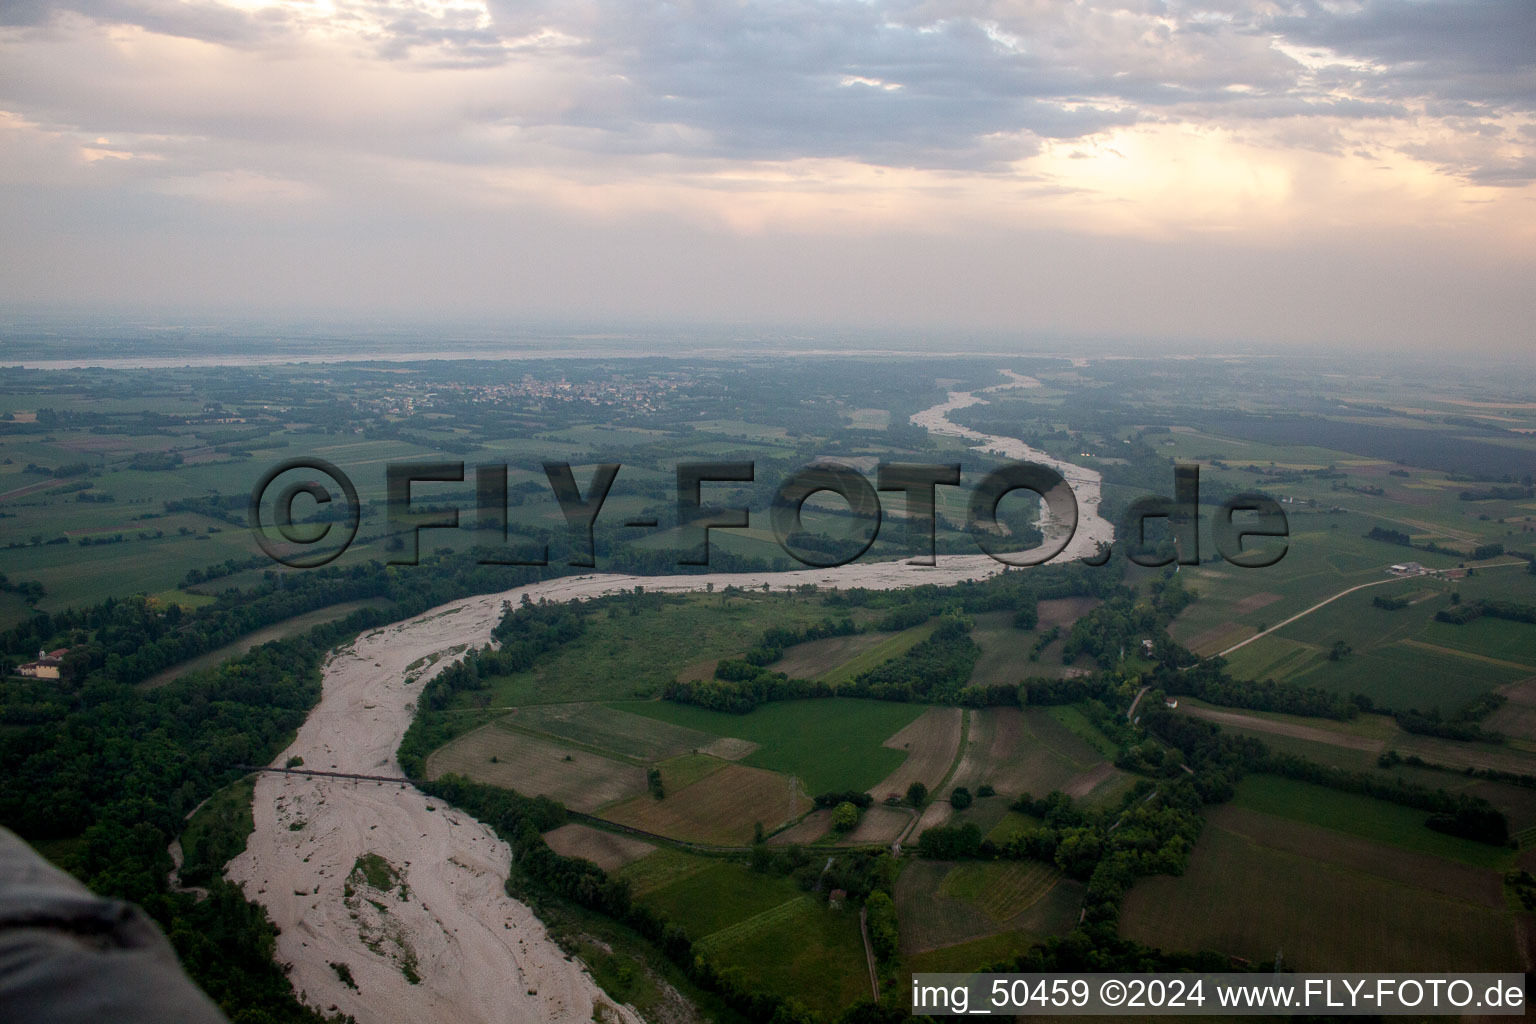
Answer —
970 85
899 124
1479 51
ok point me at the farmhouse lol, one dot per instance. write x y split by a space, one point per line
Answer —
47 666
1406 569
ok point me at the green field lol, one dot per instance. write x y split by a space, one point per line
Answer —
830 744
969 957
941 904
804 949
663 868
625 656
1399 676
893 646
1362 816
1403 658
1011 824
1326 554
716 895
607 730
760 927
1077 723
1000 889
1355 909
1005 650
1325 743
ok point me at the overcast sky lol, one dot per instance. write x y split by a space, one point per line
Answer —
1326 172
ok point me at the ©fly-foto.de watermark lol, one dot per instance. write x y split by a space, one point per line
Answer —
318 540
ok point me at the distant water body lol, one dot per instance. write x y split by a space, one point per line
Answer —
365 355
58 342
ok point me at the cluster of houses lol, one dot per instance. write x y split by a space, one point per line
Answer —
1416 569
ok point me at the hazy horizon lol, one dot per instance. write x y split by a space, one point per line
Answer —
1213 172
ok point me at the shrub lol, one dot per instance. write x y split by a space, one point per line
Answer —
845 817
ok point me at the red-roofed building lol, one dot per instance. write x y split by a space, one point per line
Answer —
49 665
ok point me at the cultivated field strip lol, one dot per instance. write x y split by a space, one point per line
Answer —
745 929
720 809
940 904
605 849
614 732
1245 898
1003 893
931 742
580 779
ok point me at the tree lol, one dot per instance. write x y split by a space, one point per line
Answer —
960 799
882 924
917 794
845 816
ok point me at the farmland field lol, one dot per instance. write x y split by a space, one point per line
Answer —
967 957
581 780
721 808
830 744
1362 816
1011 824
616 732
732 894
760 927
1072 722
686 769
881 824
815 658
1402 658
940 904
892 646
1467 882
804 948
663 868
930 744
807 830
620 658
1354 746
1001 890
1242 897
1004 659
1026 750
1063 611
1518 716
605 849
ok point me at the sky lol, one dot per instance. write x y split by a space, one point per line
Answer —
1300 172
